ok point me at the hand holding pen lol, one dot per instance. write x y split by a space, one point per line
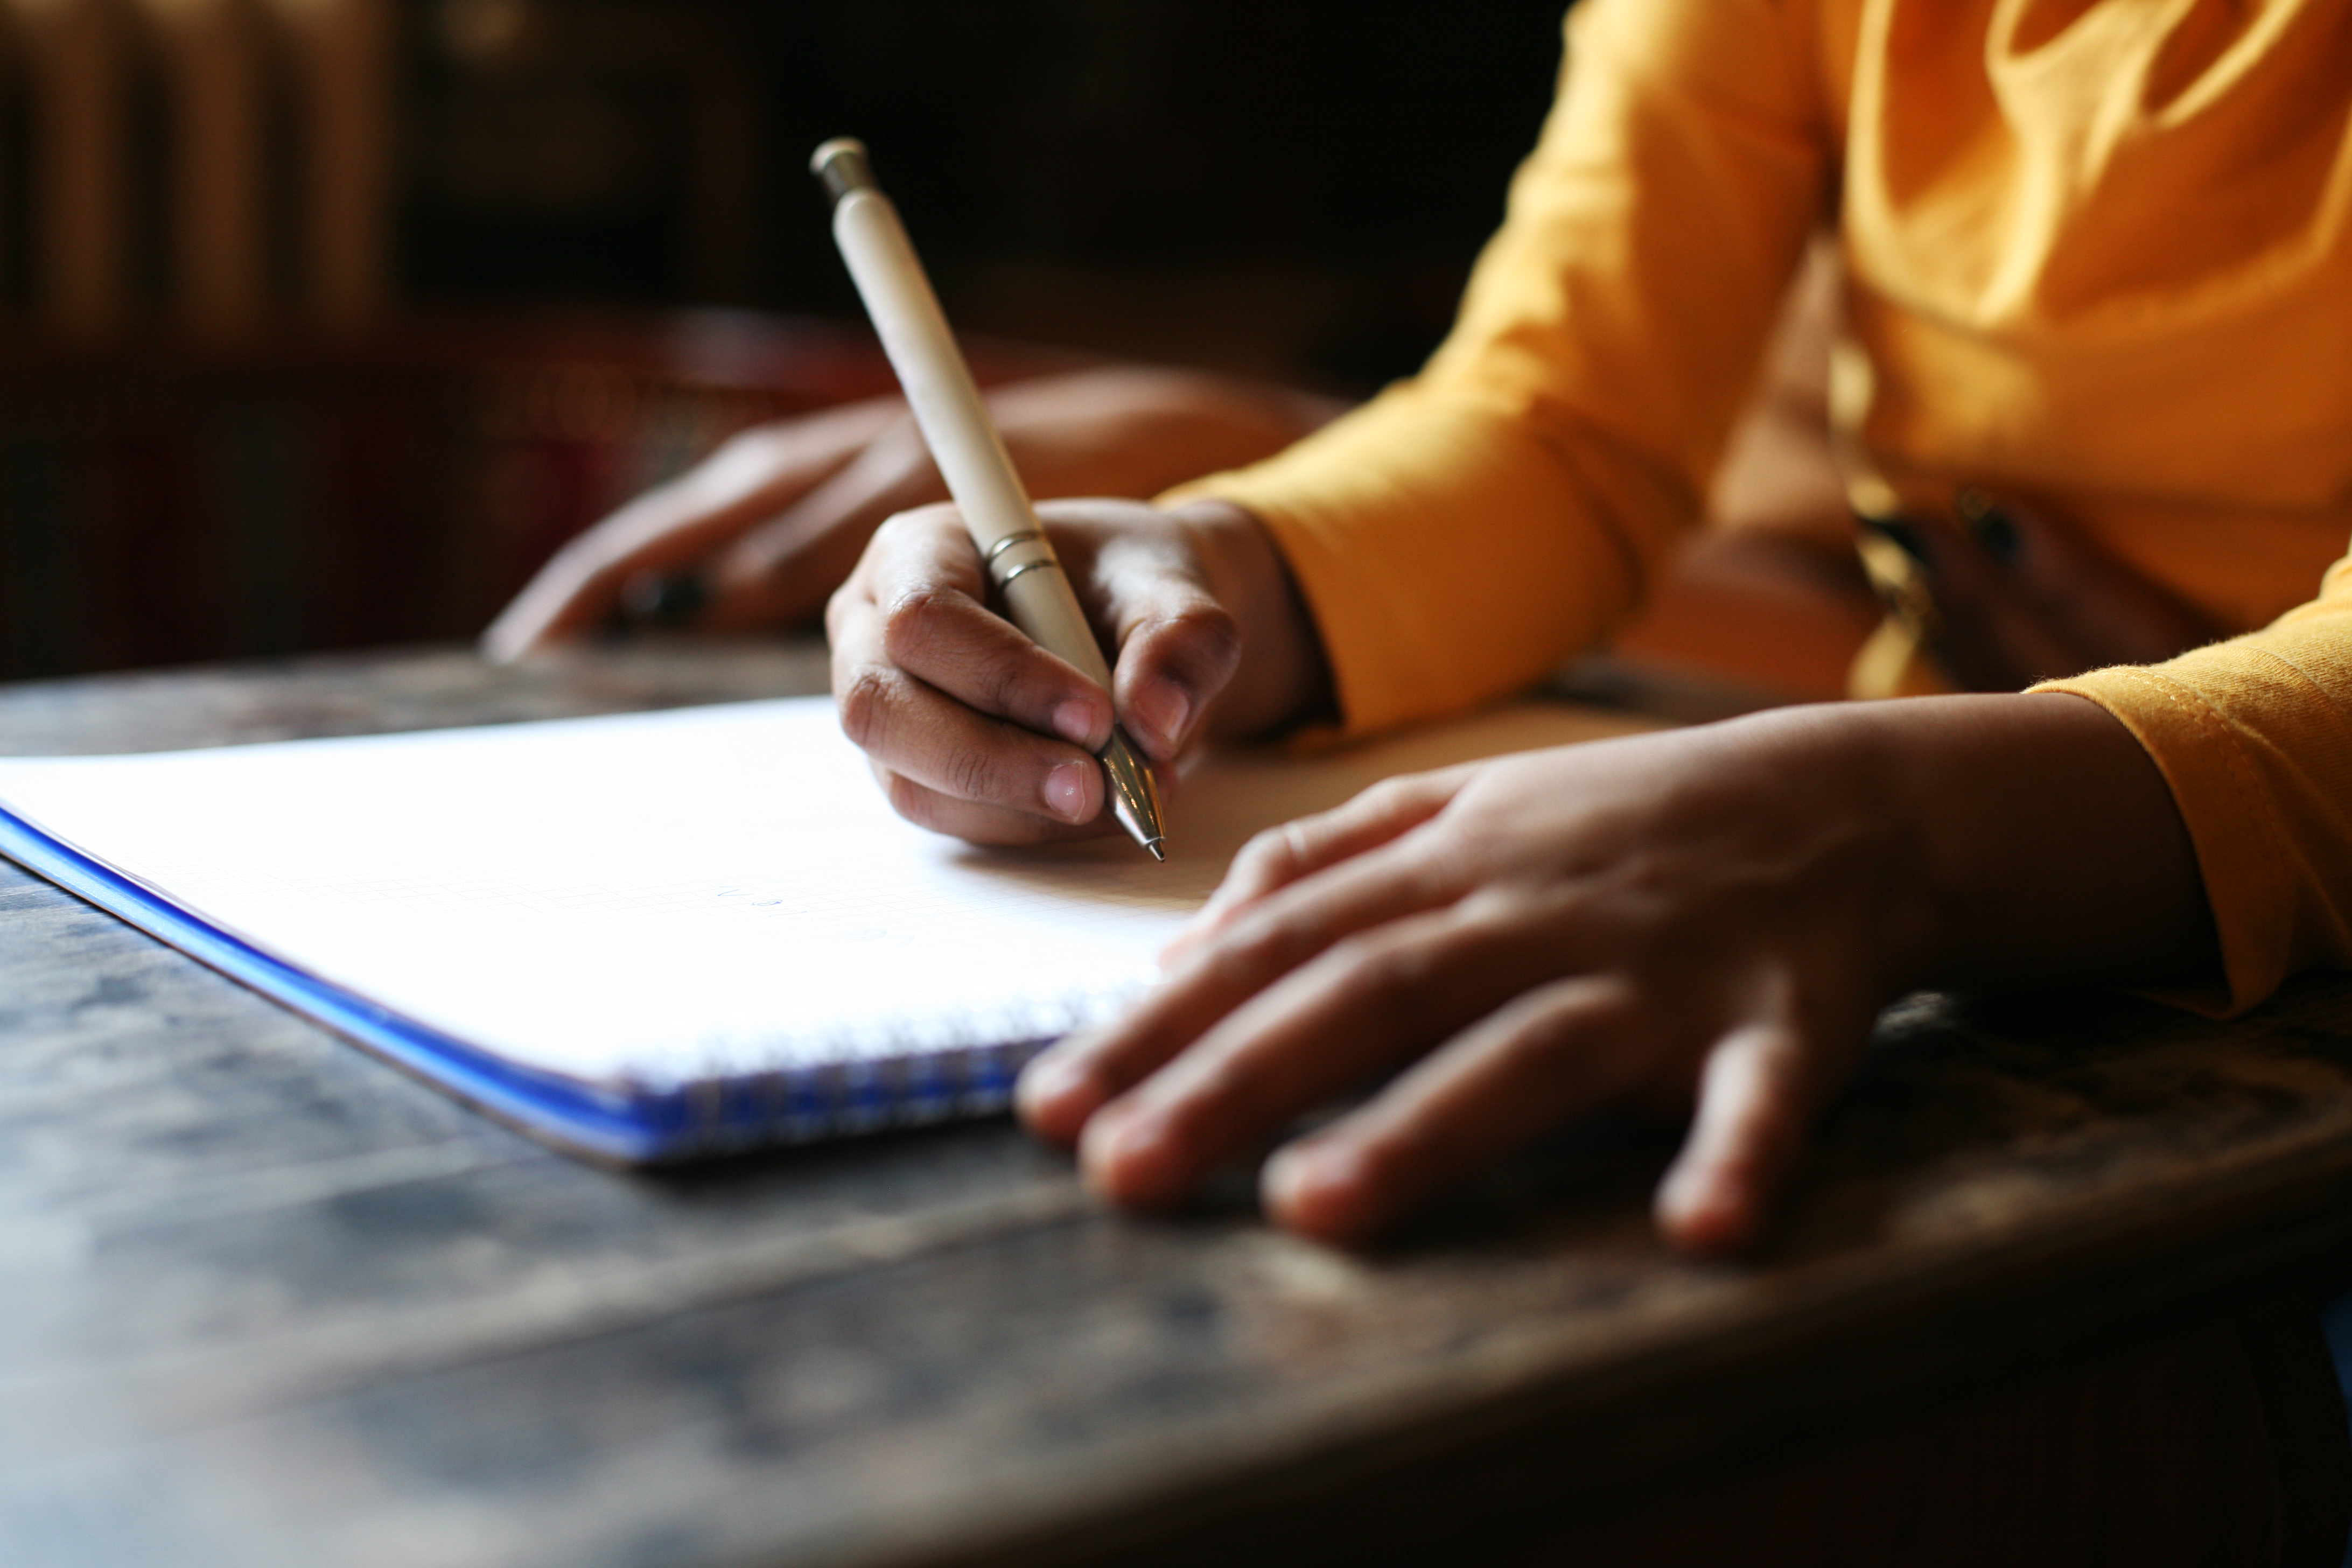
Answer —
1006 735
1014 551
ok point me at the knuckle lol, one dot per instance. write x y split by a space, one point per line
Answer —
1385 972
1271 854
898 537
1002 682
910 621
862 704
1388 798
926 526
1210 632
971 774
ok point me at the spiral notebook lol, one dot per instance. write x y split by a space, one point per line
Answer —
655 936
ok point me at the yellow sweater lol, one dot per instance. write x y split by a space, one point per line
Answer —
2100 255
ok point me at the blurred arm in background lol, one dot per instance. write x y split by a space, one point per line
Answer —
773 521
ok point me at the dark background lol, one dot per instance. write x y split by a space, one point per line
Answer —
1290 188
607 255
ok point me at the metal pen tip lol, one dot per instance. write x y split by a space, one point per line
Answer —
1134 793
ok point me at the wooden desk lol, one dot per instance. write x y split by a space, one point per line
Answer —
264 1299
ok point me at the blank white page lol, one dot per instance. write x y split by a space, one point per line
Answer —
662 898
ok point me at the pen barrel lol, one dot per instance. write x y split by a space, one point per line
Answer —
1051 616
931 368
971 457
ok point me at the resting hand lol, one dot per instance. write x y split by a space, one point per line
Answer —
1706 920
771 523
975 730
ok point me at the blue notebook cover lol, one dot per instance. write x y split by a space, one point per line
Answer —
626 1123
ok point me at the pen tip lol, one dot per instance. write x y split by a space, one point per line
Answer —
1157 852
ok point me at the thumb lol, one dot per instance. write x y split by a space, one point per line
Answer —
1178 644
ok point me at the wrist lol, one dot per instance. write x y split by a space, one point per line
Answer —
2042 846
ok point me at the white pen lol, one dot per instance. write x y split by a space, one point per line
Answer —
971 454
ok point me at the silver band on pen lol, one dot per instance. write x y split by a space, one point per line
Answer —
1006 581
1007 542
1017 552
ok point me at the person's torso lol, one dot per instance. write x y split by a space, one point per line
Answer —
2099 252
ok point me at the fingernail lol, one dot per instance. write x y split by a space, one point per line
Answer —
1304 1175
1700 1212
1131 1158
1057 1093
1322 1190
1162 707
1075 722
1066 791
1991 523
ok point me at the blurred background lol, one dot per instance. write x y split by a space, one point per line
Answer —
325 320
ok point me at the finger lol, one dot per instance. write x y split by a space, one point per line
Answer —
977 824
1063 1086
1178 646
926 737
679 523
1377 998
1281 855
581 587
781 571
1546 1056
925 582
1757 1092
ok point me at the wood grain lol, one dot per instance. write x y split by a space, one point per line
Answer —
267 1301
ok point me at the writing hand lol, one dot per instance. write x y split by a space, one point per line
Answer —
1705 921
771 523
974 731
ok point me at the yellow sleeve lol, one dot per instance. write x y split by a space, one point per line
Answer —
2254 737
1466 530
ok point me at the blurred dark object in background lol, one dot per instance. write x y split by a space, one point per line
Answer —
1291 189
161 507
325 320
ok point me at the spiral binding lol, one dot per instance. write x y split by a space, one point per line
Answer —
803 1086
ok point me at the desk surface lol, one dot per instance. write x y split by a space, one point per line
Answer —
269 1301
